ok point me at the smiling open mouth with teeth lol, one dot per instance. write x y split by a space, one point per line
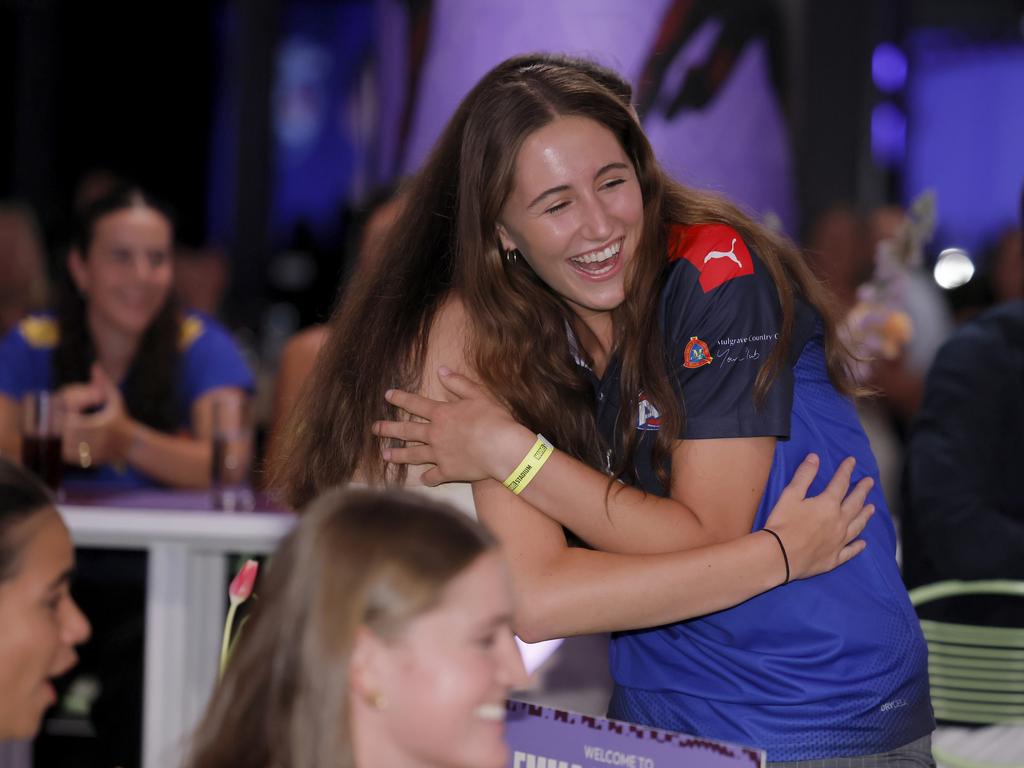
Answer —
600 262
492 712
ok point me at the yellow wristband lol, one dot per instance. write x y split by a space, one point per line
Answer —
530 465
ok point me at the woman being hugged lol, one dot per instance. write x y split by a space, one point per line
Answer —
612 307
137 377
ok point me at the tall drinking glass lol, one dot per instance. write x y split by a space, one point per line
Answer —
231 463
41 425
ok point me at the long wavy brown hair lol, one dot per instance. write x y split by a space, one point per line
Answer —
447 240
356 559
377 334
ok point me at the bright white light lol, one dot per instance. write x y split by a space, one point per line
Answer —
953 268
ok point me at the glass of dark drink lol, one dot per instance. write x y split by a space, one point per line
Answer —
41 424
231 460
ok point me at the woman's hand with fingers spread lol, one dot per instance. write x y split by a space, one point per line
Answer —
820 533
470 437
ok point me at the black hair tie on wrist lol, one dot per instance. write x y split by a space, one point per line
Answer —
785 557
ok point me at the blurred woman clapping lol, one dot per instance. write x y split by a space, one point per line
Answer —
138 378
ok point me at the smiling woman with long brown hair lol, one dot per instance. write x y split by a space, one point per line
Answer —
528 303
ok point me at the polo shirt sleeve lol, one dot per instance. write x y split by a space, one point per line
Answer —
210 359
721 321
25 361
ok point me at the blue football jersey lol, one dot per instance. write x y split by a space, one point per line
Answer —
831 666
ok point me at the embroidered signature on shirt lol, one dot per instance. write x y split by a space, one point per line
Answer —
738 355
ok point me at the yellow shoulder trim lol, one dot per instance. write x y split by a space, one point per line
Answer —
39 332
191 329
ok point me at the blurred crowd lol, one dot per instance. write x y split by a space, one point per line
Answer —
35 278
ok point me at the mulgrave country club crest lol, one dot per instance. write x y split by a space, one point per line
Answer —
649 417
696 354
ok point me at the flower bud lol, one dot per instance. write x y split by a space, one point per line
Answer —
241 586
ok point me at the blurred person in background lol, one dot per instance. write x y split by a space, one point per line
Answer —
138 378
901 380
41 624
838 249
964 515
382 639
24 285
842 246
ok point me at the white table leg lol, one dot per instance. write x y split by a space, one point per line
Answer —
185 607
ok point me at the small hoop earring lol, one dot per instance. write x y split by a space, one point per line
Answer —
512 255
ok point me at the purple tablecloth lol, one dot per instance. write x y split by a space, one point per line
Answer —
157 499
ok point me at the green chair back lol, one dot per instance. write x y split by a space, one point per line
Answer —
976 672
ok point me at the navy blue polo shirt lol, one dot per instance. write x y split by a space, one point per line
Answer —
832 666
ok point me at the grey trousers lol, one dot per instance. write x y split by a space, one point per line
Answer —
916 754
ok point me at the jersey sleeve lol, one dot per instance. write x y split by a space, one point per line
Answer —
23 366
210 359
721 321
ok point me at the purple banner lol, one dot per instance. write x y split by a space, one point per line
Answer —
541 737
705 80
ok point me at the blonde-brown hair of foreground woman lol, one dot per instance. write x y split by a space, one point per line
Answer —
380 639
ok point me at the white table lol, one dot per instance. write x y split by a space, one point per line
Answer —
186 599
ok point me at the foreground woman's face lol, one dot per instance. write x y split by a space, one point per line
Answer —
575 212
40 624
448 677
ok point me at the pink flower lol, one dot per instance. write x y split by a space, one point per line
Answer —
239 591
241 586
